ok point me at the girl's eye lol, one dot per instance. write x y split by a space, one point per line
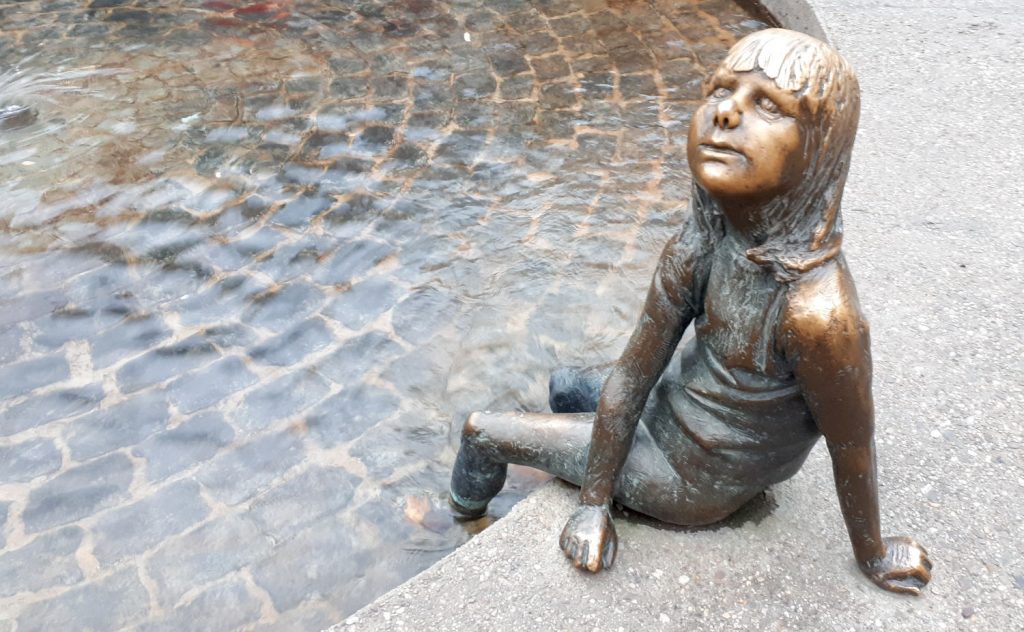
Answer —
768 105
720 93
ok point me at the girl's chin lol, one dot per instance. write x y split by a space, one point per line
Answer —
720 182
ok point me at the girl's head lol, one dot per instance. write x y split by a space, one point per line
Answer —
773 140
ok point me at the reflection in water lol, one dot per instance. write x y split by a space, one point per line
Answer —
258 259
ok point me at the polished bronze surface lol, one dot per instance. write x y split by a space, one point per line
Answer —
781 352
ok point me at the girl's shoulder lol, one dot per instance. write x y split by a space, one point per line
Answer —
821 301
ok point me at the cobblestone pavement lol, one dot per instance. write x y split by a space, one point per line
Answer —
257 260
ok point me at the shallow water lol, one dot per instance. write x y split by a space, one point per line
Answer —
258 260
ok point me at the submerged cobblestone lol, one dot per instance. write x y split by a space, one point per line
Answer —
258 259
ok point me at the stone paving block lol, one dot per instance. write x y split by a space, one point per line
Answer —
301 210
597 144
240 474
348 414
518 87
349 87
223 300
210 385
284 397
421 372
131 334
70 323
294 344
50 407
461 148
326 554
281 307
112 603
310 496
10 343
166 283
24 461
471 212
190 443
45 562
352 260
427 253
406 158
201 556
394 443
230 336
225 606
600 252
306 617
165 363
136 528
78 492
119 426
4 511
298 259
363 302
352 360
22 377
475 85
419 316
324 144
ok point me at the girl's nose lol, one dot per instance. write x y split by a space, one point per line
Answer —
727 116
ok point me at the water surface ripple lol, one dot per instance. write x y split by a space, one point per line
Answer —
258 260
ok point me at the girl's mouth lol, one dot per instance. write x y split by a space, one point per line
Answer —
721 150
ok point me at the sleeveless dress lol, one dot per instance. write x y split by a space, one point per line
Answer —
730 417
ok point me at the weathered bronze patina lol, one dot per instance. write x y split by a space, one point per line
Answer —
781 352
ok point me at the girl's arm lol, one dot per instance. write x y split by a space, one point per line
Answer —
589 537
827 339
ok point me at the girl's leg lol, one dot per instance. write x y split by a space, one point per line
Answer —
556 444
577 389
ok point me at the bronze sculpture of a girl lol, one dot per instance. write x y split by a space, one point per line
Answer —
781 351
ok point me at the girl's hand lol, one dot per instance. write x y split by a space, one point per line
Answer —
905 567
589 539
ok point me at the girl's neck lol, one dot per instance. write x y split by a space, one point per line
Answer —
744 222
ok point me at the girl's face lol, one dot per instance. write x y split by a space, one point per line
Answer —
745 141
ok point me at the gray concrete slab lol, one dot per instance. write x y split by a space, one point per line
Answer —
933 215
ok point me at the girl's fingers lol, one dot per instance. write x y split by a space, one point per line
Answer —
608 555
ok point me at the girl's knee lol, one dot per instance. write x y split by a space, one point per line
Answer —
481 427
473 428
